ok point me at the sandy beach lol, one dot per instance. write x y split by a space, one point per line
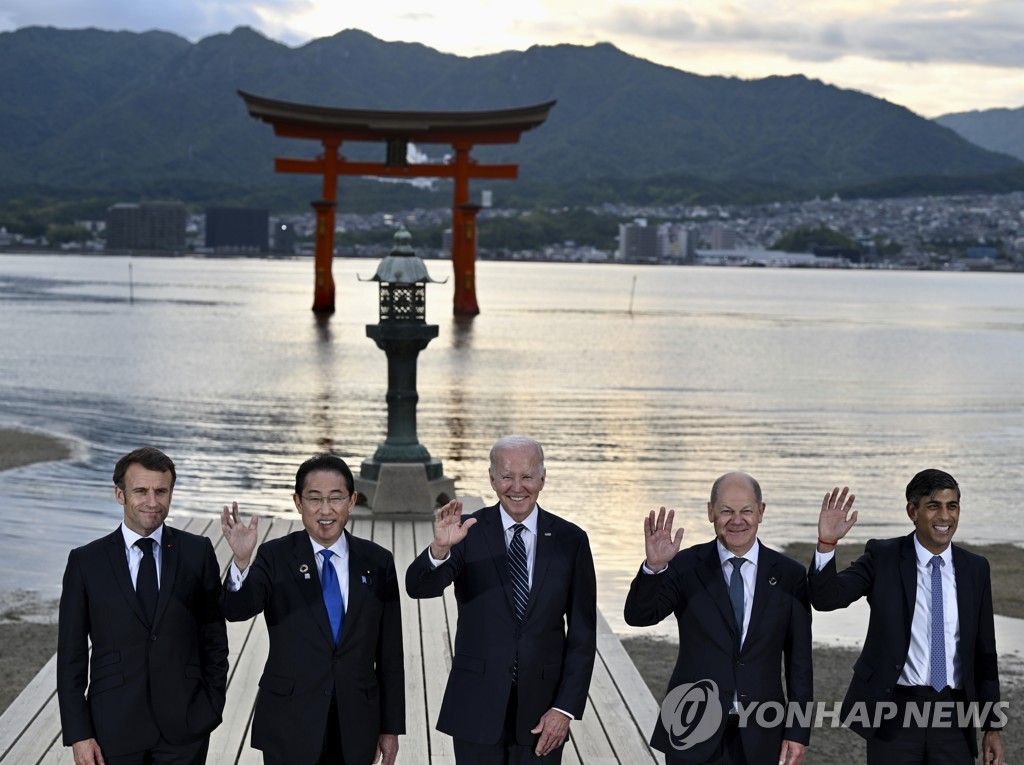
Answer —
28 629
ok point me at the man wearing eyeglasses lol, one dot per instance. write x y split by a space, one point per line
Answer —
333 688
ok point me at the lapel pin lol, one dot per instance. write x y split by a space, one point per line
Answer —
772 581
547 533
304 570
367 579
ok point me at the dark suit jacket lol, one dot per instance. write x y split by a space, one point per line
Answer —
778 637
556 641
887 574
143 681
366 669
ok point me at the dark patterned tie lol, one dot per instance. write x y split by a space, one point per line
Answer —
938 652
145 581
520 581
332 595
736 593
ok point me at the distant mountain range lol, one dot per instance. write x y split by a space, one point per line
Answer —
97 113
999 130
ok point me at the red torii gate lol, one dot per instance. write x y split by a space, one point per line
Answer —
462 130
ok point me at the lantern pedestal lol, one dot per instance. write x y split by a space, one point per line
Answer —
402 477
404 488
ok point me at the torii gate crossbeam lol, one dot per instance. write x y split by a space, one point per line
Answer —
461 130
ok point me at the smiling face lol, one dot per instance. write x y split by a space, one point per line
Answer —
736 513
324 520
517 477
146 498
935 519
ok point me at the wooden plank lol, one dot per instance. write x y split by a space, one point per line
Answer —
38 737
437 657
635 696
414 745
624 736
249 644
24 709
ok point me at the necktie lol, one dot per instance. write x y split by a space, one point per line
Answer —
520 581
145 581
938 652
332 595
736 593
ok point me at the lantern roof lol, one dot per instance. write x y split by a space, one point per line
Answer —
402 265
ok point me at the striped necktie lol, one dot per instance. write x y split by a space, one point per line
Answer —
520 581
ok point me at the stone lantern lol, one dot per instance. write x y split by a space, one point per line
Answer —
402 477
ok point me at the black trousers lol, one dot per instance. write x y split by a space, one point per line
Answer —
730 750
193 753
331 752
900 743
506 751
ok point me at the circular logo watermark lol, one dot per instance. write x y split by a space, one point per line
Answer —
691 713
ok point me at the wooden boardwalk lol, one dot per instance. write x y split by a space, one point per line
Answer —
613 731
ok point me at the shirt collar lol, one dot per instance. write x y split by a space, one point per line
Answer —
339 548
530 522
924 556
750 556
130 537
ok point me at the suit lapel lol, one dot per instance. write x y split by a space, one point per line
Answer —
709 571
544 552
302 563
966 602
119 568
359 579
764 588
494 537
169 556
908 577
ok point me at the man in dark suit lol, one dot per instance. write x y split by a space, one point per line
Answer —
333 687
148 598
743 616
931 636
524 581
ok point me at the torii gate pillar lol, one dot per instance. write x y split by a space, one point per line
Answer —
464 259
323 284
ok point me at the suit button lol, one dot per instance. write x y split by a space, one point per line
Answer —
153 638
327 693
888 690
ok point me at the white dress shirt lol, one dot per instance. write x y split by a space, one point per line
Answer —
134 554
917 669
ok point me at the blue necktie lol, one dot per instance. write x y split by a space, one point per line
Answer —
520 582
938 652
332 595
145 581
736 593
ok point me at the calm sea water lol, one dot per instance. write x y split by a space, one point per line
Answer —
807 379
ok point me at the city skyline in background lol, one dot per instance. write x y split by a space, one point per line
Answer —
931 56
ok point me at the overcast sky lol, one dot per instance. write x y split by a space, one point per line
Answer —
933 57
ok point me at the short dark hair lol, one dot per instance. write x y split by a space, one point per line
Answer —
929 481
327 462
150 458
718 484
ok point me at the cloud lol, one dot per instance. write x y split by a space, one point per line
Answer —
985 32
192 19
